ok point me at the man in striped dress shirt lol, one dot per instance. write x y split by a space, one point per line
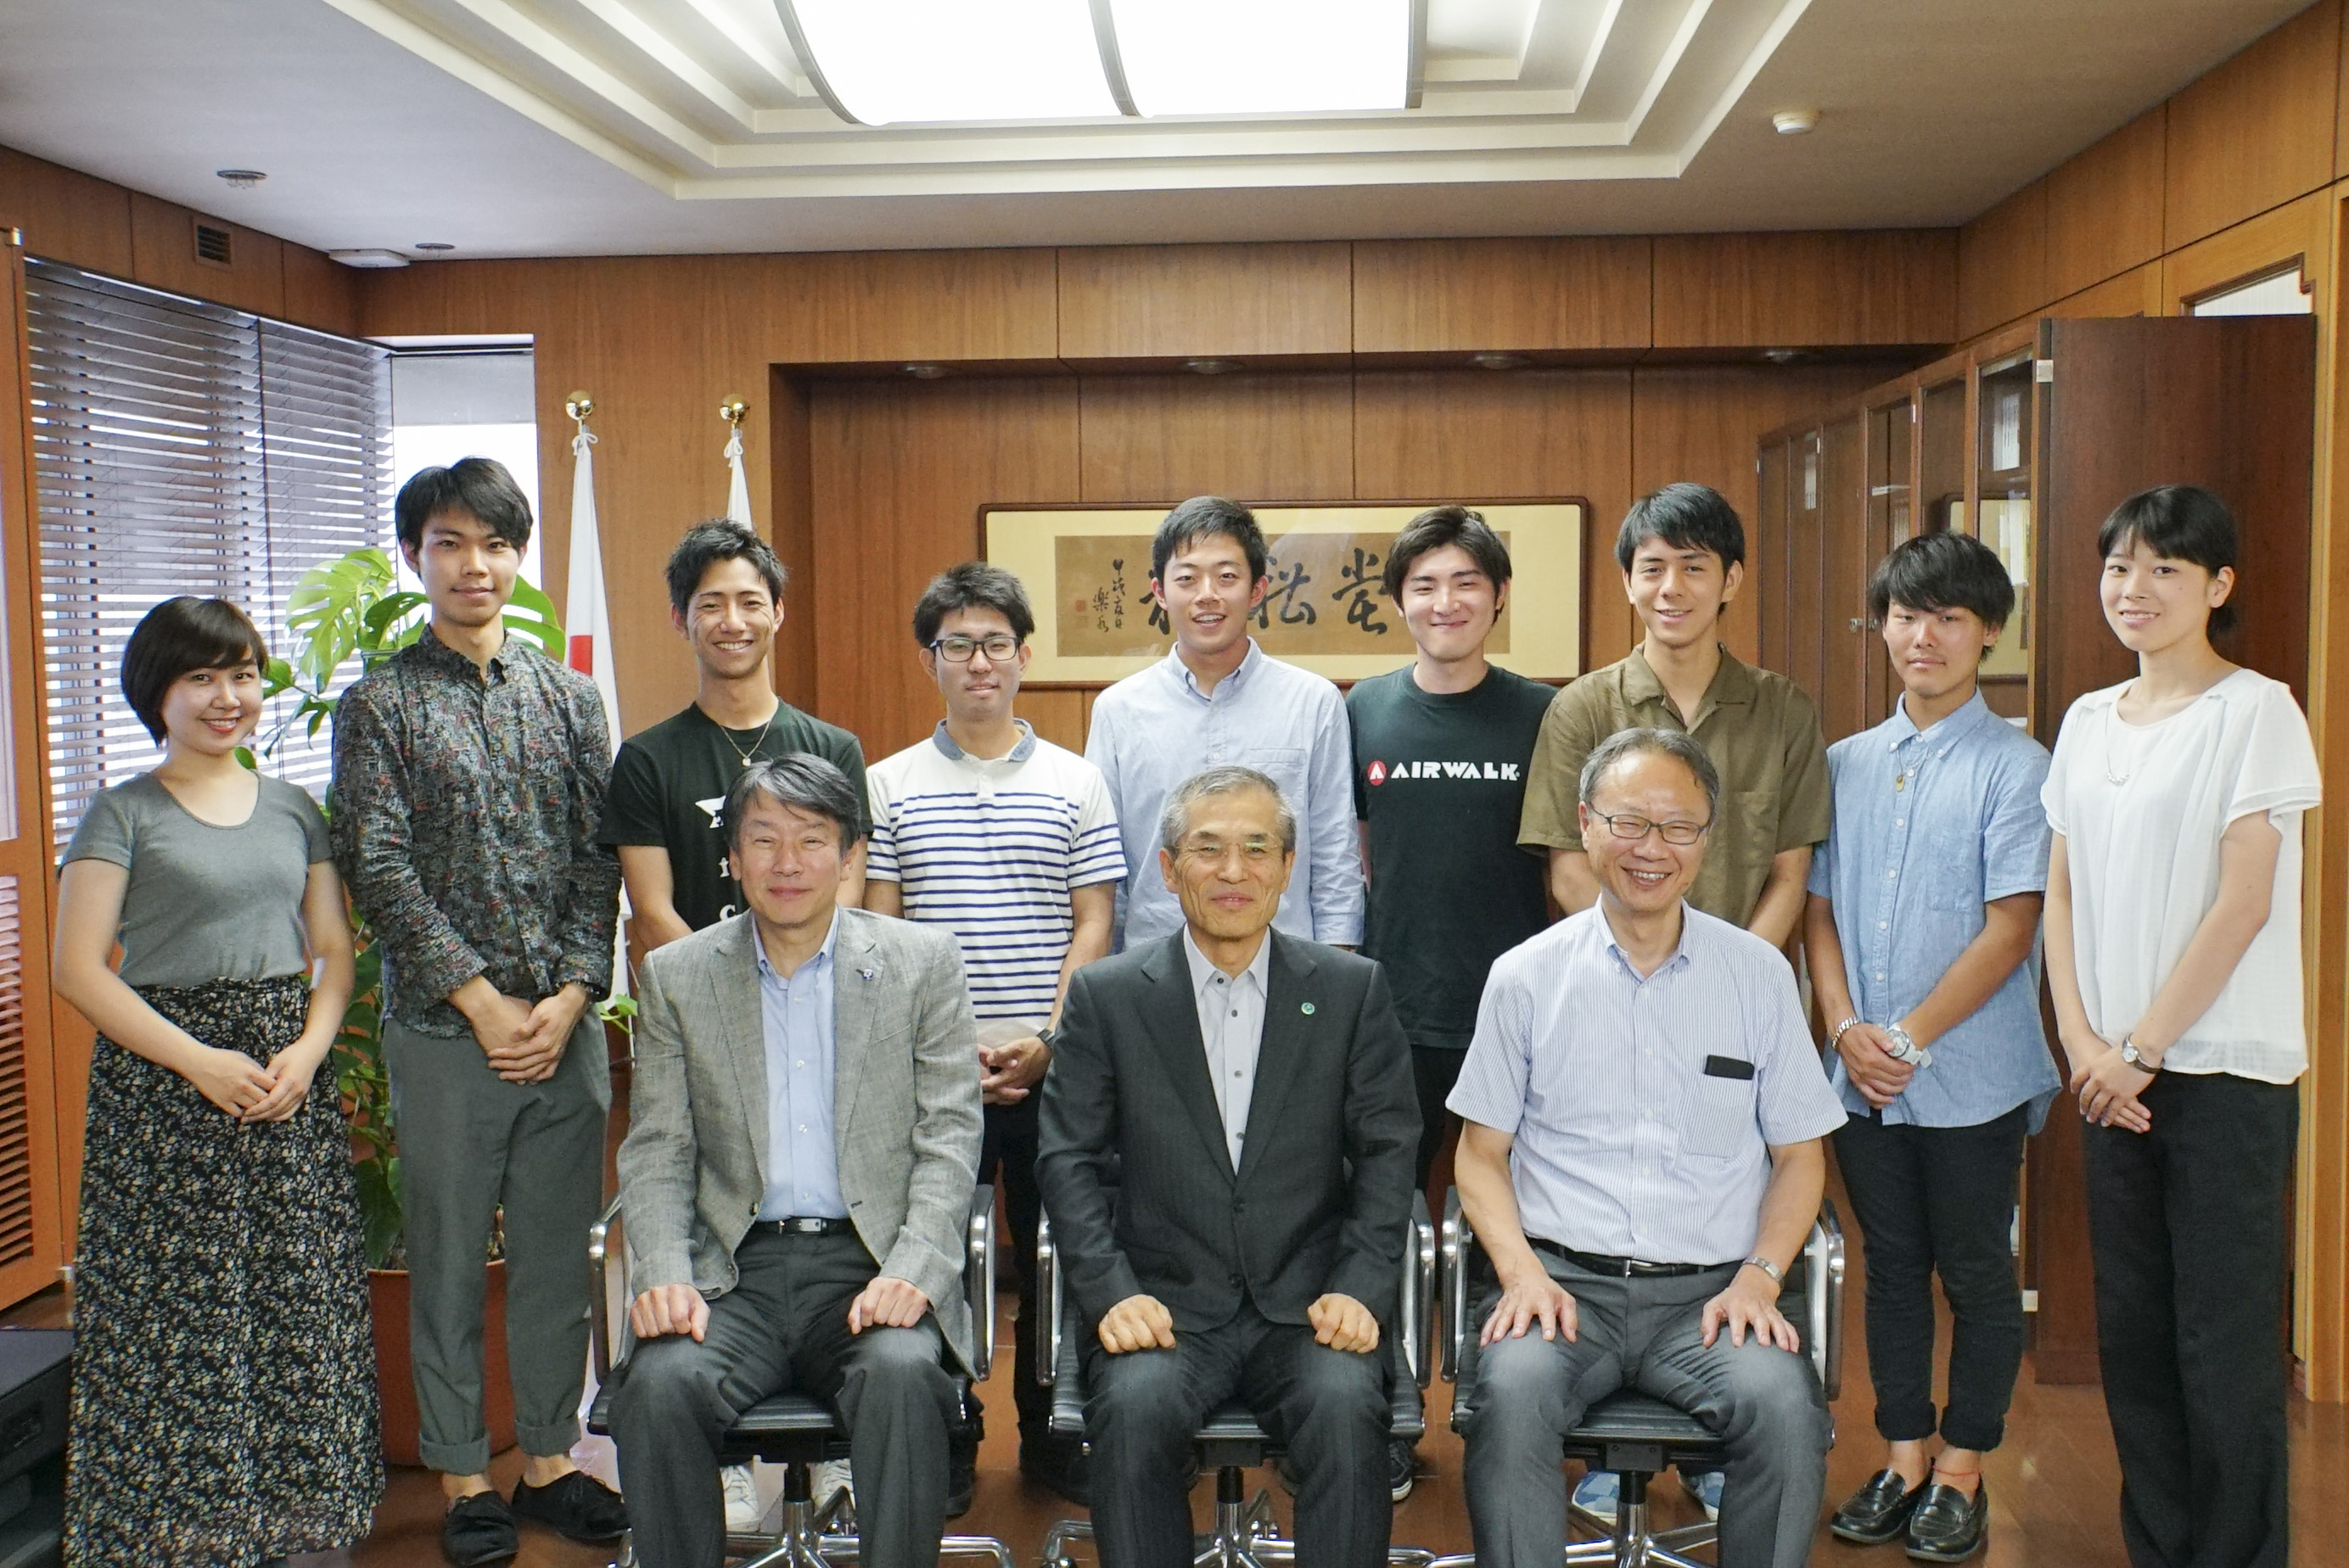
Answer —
1010 842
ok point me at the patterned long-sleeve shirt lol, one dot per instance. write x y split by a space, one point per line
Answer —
464 821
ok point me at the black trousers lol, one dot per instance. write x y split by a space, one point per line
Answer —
1009 1153
1939 1199
2188 1224
1434 1070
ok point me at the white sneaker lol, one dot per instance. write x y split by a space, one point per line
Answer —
827 1478
743 1515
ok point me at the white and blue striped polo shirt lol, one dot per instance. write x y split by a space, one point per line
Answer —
991 850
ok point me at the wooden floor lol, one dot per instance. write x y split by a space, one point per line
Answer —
2053 1484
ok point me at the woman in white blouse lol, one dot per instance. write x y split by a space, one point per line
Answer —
2173 957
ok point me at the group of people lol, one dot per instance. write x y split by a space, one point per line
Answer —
1213 994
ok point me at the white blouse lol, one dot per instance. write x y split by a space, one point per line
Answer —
2142 809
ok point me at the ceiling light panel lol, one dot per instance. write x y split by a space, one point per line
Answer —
1264 57
904 62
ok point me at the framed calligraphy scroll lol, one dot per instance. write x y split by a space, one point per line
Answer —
1087 570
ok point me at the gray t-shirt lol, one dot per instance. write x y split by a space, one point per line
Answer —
207 902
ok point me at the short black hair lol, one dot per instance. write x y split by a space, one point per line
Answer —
179 635
1686 517
1203 517
707 544
801 781
1436 528
973 586
480 486
2177 522
1943 571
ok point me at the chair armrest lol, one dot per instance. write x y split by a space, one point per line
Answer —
1418 1298
1453 1252
1823 1253
1048 1302
600 1264
979 1278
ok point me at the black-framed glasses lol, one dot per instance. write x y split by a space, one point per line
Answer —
1630 825
999 649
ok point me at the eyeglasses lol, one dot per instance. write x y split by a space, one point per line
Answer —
999 649
1626 825
1207 852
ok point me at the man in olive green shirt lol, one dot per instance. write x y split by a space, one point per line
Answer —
1682 554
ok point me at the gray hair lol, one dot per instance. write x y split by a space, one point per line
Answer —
1670 743
1174 819
799 781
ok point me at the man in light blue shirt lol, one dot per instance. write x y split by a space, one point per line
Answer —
795 1017
1218 699
1923 931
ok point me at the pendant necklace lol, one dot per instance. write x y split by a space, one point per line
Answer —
750 756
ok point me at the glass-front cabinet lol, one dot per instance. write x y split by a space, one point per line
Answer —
2005 423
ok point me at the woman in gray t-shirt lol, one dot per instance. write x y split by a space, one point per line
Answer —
224 1399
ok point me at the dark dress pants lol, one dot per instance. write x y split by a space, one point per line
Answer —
785 1328
1327 1408
1010 1151
1939 1199
2187 1221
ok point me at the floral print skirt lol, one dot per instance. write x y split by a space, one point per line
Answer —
224 1382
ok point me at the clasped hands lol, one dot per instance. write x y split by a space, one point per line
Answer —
248 1092
885 1302
524 1043
1748 1303
1143 1322
1878 1075
2107 1087
1007 1073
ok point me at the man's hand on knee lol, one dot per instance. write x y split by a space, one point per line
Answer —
1751 1302
1137 1323
1531 1298
1341 1323
670 1309
886 1302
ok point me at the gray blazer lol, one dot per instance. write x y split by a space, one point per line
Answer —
905 1107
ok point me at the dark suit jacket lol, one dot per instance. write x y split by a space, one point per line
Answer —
1138 1179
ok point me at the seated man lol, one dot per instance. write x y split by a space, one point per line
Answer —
805 1124
1257 1091
1640 1155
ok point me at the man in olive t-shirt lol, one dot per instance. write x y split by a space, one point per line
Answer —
1682 551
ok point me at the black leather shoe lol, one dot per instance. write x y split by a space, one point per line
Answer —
1948 1526
574 1505
477 1530
1402 1468
962 1477
1057 1463
1878 1512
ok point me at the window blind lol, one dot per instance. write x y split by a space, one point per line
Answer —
184 448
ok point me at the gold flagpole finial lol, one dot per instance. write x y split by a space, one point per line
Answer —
578 405
732 411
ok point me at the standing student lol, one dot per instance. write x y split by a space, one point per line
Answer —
993 833
223 1392
468 776
2173 957
1219 700
1923 922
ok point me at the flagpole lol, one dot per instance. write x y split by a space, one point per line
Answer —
737 487
587 632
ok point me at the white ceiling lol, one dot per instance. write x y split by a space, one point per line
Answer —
583 127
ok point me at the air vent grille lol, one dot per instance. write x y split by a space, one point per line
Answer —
215 244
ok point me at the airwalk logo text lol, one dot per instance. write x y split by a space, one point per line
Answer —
1502 772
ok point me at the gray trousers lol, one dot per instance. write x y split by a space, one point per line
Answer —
784 1326
471 1144
1646 1334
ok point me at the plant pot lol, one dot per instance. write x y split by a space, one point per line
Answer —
395 1374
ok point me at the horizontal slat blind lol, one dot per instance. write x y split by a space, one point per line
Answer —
182 448
15 1133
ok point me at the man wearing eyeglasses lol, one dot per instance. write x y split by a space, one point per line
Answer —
1010 841
1642 1117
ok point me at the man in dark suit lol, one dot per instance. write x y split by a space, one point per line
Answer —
1227 1137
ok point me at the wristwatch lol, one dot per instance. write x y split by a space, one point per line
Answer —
1047 1034
1777 1276
2137 1059
1905 1049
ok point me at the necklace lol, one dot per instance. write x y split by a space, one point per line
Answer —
2114 729
750 756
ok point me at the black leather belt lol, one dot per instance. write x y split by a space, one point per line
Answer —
805 1226
1620 1268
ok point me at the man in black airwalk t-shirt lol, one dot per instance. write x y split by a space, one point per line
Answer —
1439 754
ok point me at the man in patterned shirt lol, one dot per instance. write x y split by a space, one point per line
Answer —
469 772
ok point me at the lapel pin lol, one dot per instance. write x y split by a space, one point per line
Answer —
1306 1008
867 973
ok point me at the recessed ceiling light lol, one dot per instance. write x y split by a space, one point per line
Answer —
1211 367
1492 359
242 179
925 372
367 258
1795 122
434 245
897 62
1264 57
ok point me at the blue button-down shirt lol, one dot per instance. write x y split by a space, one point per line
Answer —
1929 826
1152 730
1635 1134
803 1163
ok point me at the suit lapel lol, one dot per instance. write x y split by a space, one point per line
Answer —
1170 1012
1289 1027
742 1032
855 969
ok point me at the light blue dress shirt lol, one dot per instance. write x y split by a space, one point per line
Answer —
1929 826
1153 729
795 1014
1635 1136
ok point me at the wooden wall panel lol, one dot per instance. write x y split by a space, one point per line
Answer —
67 216
899 471
790 528
1172 301
2137 292
320 293
1879 285
1057 714
2104 206
2002 262
1423 296
163 256
2256 131
2301 231
872 307
1153 438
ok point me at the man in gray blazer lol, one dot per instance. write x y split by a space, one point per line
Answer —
804 1126
1228 1135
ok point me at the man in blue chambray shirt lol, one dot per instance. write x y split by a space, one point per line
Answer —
1922 928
